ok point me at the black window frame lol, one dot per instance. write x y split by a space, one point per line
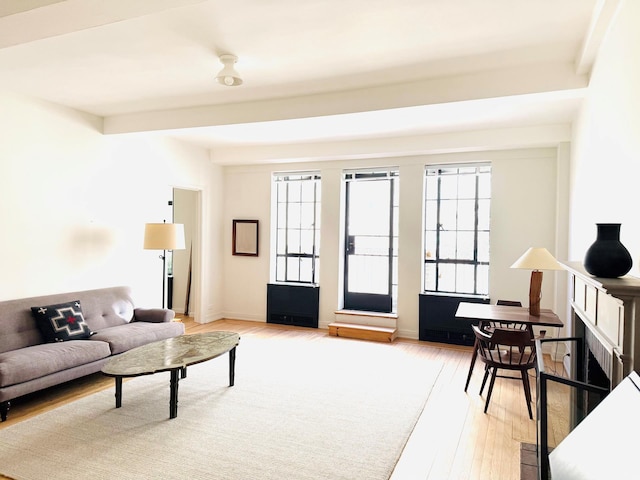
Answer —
284 180
434 256
391 174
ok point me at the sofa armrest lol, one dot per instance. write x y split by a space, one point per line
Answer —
153 315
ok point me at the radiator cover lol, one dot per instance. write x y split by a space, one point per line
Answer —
289 304
438 322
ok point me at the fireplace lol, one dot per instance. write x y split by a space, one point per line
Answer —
603 349
606 313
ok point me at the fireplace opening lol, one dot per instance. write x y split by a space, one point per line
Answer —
595 376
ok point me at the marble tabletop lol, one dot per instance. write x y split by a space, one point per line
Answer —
171 354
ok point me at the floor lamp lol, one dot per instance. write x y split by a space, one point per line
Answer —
164 236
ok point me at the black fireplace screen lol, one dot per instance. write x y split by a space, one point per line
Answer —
564 401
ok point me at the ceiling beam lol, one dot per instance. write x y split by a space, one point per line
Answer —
602 18
11 7
522 80
24 21
542 136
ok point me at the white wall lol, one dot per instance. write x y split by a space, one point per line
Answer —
75 201
605 162
526 189
523 214
247 196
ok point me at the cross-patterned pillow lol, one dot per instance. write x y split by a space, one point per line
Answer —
61 322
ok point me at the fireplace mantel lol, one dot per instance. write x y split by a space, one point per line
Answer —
608 311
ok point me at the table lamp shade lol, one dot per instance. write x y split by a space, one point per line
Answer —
164 236
536 259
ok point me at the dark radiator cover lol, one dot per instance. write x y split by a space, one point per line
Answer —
289 304
438 322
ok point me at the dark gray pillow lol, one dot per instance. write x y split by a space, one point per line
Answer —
61 322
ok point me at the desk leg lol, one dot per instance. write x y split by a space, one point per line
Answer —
118 392
473 363
232 366
173 401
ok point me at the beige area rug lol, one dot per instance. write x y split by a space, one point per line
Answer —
328 408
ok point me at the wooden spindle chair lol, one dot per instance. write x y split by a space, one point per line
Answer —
490 327
506 349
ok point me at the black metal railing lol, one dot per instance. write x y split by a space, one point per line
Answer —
581 397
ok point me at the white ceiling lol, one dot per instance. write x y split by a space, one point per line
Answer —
313 70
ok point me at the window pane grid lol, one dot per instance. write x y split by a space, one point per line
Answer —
377 240
456 229
297 229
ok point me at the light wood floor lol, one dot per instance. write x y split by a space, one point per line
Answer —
453 439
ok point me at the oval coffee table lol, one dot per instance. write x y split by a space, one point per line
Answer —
172 355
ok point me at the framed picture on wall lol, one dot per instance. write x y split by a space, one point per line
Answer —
245 238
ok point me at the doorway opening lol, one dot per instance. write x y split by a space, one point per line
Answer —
184 275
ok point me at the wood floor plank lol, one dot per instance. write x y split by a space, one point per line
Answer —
453 438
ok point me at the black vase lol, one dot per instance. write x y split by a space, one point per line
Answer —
607 257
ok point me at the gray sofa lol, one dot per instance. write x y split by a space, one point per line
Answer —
28 363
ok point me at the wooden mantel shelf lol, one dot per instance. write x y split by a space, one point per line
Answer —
627 285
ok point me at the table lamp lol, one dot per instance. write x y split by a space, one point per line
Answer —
164 236
536 259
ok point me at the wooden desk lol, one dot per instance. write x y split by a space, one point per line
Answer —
502 313
485 313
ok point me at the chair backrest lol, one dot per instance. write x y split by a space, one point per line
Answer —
506 348
509 303
513 325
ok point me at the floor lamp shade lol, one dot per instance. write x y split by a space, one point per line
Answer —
164 236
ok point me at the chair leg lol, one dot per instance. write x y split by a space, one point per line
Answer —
493 380
487 371
527 391
473 362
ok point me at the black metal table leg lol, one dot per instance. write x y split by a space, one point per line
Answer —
183 372
173 401
232 366
118 392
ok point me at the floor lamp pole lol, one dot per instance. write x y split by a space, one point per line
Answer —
164 274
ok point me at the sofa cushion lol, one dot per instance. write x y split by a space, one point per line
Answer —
125 337
37 361
62 322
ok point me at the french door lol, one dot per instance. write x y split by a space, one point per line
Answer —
370 266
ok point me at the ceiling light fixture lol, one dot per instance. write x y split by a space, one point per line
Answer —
228 75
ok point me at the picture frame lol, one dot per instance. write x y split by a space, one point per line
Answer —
245 238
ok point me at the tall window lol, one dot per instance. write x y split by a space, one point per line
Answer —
297 226
456 236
